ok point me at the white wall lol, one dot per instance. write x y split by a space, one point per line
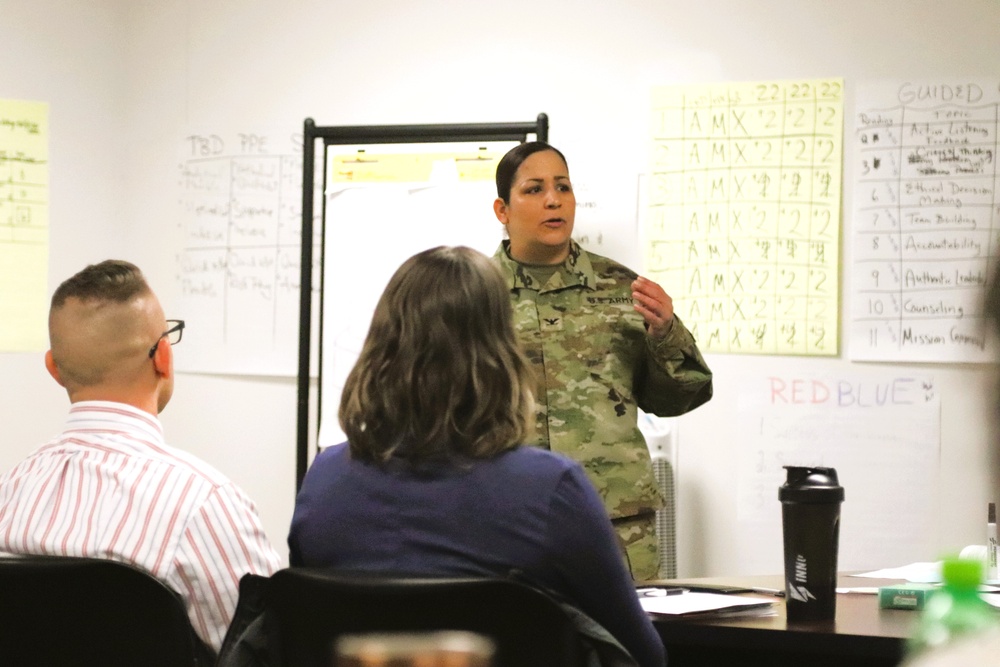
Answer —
126 78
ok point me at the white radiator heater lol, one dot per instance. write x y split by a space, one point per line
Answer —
666 519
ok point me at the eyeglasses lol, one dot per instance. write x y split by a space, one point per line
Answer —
173 335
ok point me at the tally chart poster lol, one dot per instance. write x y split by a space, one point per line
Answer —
926 221
24 225
743 222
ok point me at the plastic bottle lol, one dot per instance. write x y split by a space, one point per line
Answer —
955 610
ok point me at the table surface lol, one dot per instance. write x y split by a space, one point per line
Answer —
860 629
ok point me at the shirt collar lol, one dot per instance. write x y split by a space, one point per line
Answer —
112 416
576 270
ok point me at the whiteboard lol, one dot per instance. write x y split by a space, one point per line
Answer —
370 230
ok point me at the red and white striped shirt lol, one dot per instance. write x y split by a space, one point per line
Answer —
110 487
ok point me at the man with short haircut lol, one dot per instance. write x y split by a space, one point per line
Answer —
109 486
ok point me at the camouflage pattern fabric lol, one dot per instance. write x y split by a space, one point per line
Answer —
640 547
595 366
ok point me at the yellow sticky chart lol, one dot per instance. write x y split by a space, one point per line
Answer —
367 167
24 225
743 226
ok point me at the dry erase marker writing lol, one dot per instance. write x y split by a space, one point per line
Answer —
991 542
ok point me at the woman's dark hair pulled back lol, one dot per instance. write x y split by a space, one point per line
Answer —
511 162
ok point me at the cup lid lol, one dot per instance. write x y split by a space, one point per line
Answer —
806 484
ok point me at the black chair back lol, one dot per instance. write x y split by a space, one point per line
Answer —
65 612
311 608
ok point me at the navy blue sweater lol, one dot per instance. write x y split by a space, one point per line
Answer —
527 509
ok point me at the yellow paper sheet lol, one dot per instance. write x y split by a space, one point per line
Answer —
447 167
743 225
24 225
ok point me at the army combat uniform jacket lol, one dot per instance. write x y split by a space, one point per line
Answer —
595 366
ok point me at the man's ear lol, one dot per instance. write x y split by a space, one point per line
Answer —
50 366
500 210
163 358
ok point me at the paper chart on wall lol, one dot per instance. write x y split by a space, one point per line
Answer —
743 223
927 220
881 432
363 249
24 225
238 269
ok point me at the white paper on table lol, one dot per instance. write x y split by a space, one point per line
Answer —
858 590
695 603
926 573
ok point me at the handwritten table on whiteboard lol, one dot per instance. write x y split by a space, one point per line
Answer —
744 213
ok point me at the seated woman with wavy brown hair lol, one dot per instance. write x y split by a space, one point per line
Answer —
432 480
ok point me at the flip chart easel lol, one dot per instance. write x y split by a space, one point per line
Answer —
360 135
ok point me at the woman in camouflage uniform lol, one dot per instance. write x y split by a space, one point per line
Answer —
603 341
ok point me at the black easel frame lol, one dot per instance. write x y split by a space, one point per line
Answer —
363 134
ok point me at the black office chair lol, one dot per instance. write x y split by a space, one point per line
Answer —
310 608
64 612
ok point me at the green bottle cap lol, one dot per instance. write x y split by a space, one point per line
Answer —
962 572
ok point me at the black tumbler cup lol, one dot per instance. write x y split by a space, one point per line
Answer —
810 521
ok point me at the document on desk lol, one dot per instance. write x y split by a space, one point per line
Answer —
920 573
715 605
924 572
